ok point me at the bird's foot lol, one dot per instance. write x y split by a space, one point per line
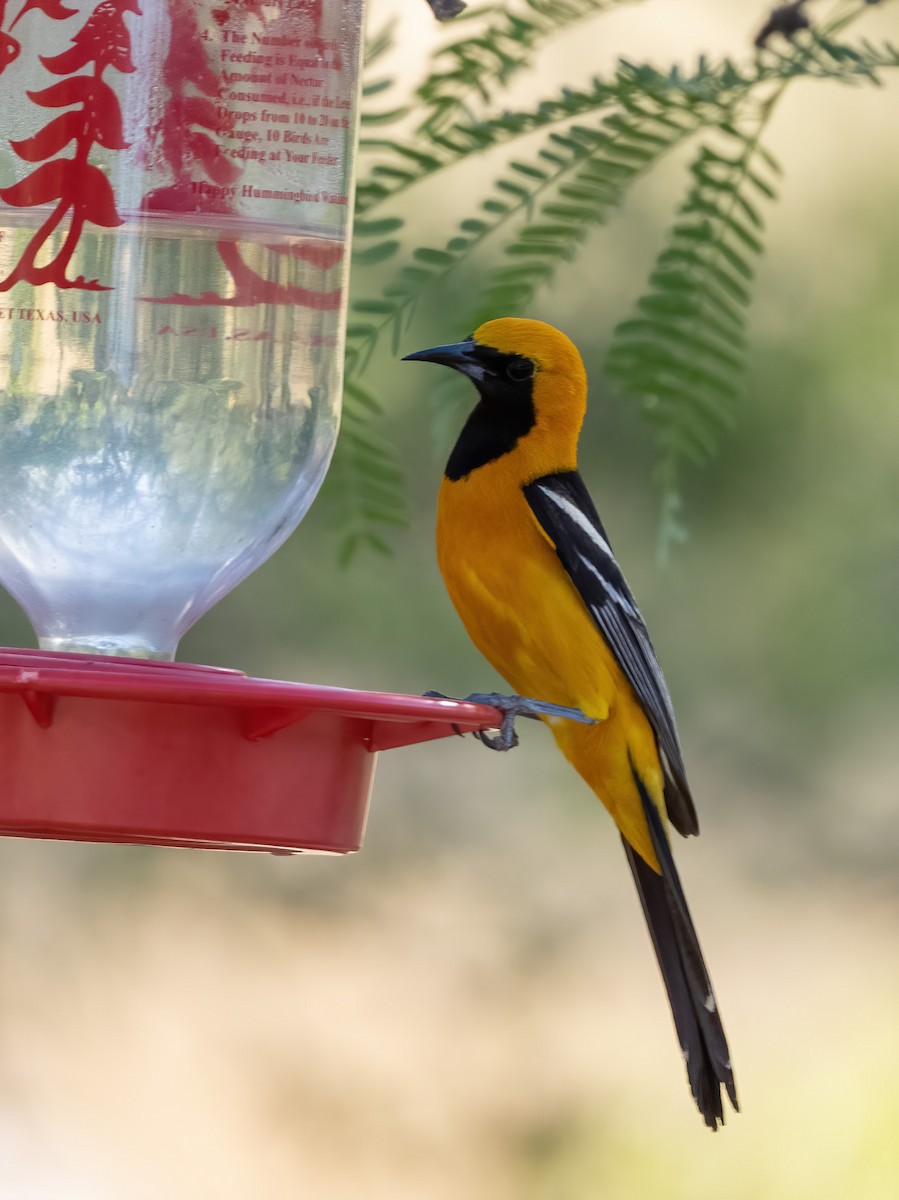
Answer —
512 707
519 706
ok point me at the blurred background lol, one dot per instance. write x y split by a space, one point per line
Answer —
470 1009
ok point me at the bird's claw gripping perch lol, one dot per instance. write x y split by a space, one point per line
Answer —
512 707
520 706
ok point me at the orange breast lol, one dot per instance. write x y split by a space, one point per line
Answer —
527 618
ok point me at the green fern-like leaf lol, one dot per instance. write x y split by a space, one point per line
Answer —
471 68
593 169
681 354
710 94
365 486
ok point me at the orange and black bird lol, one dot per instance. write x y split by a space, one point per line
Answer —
529 568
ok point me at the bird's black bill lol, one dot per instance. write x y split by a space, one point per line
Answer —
461 356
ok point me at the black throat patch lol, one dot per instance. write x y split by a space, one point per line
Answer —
504 414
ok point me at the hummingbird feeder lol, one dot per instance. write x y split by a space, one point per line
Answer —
175 200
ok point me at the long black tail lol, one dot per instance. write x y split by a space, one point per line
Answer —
693 1004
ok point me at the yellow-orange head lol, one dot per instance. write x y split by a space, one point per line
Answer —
533 395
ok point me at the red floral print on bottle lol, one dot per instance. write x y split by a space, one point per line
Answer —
190 119
255 7
185 131
188 150
81 190
54 9
250 288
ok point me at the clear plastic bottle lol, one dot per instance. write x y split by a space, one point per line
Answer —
174 205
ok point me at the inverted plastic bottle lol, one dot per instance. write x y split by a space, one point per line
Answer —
175 193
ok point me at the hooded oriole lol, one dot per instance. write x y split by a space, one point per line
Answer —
529 568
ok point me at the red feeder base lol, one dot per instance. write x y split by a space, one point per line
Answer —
171 754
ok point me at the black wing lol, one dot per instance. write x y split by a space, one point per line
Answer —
562 505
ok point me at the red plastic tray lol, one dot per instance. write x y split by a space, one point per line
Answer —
173 754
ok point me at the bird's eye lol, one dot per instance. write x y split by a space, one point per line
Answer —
520 369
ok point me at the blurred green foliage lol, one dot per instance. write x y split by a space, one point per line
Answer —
567 162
